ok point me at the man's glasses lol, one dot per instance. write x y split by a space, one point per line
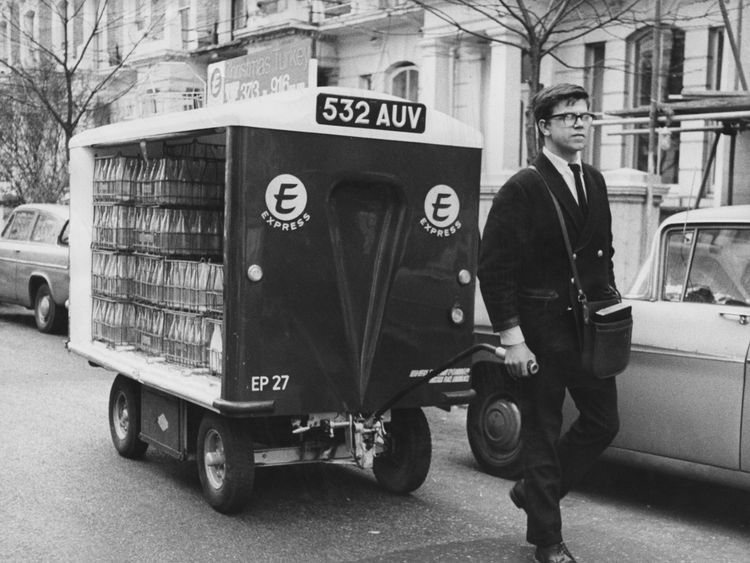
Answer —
570 119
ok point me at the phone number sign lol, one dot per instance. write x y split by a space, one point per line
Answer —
277 69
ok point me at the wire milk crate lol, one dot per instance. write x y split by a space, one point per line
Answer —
184 338
149 329
213 351
115 178
148 279
113 227
188 232
188 285
112 321
112 274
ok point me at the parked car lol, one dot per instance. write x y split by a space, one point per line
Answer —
685 397
34 263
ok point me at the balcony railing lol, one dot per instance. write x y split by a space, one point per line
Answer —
148 104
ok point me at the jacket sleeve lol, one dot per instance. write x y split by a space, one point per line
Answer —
503 246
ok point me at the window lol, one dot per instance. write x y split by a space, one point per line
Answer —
239 14
715 58
268 7
709 265
47 229
365 81
157 19
19 226
77 17
184 12
405 81
594 79
28 36
640 60
4 41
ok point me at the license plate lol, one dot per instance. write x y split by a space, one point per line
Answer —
389 115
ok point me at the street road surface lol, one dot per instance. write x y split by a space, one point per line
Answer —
66 495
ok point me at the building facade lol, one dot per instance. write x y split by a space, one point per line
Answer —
449 57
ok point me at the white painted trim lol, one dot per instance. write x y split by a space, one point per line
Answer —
289 111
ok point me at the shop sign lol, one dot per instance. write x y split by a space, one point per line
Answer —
268 71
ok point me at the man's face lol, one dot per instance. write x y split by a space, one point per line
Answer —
566 139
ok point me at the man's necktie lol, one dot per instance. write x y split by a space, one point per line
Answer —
580 192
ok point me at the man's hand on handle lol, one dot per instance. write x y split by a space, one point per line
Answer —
520 361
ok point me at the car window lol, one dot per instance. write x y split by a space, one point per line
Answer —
19 226
709 265
47 229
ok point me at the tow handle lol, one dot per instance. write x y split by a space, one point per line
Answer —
498 351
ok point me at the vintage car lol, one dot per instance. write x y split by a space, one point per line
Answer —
685 397
34 263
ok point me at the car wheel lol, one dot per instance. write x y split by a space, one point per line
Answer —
226 462
125 418
403 466
493 425
48 315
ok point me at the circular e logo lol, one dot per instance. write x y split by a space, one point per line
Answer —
286 197
441 206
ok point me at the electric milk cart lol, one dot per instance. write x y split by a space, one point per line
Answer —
273 279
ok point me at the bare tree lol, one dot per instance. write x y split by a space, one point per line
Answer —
80 24
541 28
58 75
32 148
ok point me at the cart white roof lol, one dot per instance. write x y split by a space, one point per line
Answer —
289 111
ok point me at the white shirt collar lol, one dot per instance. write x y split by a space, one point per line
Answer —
560 163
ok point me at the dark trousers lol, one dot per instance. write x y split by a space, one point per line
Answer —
554 464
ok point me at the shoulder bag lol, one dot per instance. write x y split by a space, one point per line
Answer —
607 325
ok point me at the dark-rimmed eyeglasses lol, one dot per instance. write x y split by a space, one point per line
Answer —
569 118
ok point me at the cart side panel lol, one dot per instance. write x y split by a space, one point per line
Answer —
360 242
81 221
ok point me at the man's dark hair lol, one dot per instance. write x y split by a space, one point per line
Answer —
547 98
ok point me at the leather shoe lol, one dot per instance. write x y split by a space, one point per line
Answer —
518 495
555 553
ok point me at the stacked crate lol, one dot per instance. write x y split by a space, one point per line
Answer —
157 276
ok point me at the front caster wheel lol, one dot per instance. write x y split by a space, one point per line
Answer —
226 463
125 418
404 464
493 425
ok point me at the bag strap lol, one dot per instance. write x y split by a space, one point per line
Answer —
582 299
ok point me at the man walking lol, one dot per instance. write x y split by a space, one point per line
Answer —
527 286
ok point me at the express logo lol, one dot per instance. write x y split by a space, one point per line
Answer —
441 209
286 200
216 81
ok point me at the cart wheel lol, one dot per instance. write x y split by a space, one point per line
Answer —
493 425
404 465
125 418
226 463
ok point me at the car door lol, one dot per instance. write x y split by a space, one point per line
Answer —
682 394
13 241
45 256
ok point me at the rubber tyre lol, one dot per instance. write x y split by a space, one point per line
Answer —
227 480
403 467
493 425
125 418
48 315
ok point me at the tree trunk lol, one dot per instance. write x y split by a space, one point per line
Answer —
532 142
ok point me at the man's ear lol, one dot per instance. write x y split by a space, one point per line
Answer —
543 128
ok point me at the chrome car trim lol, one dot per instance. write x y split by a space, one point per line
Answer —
644 349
